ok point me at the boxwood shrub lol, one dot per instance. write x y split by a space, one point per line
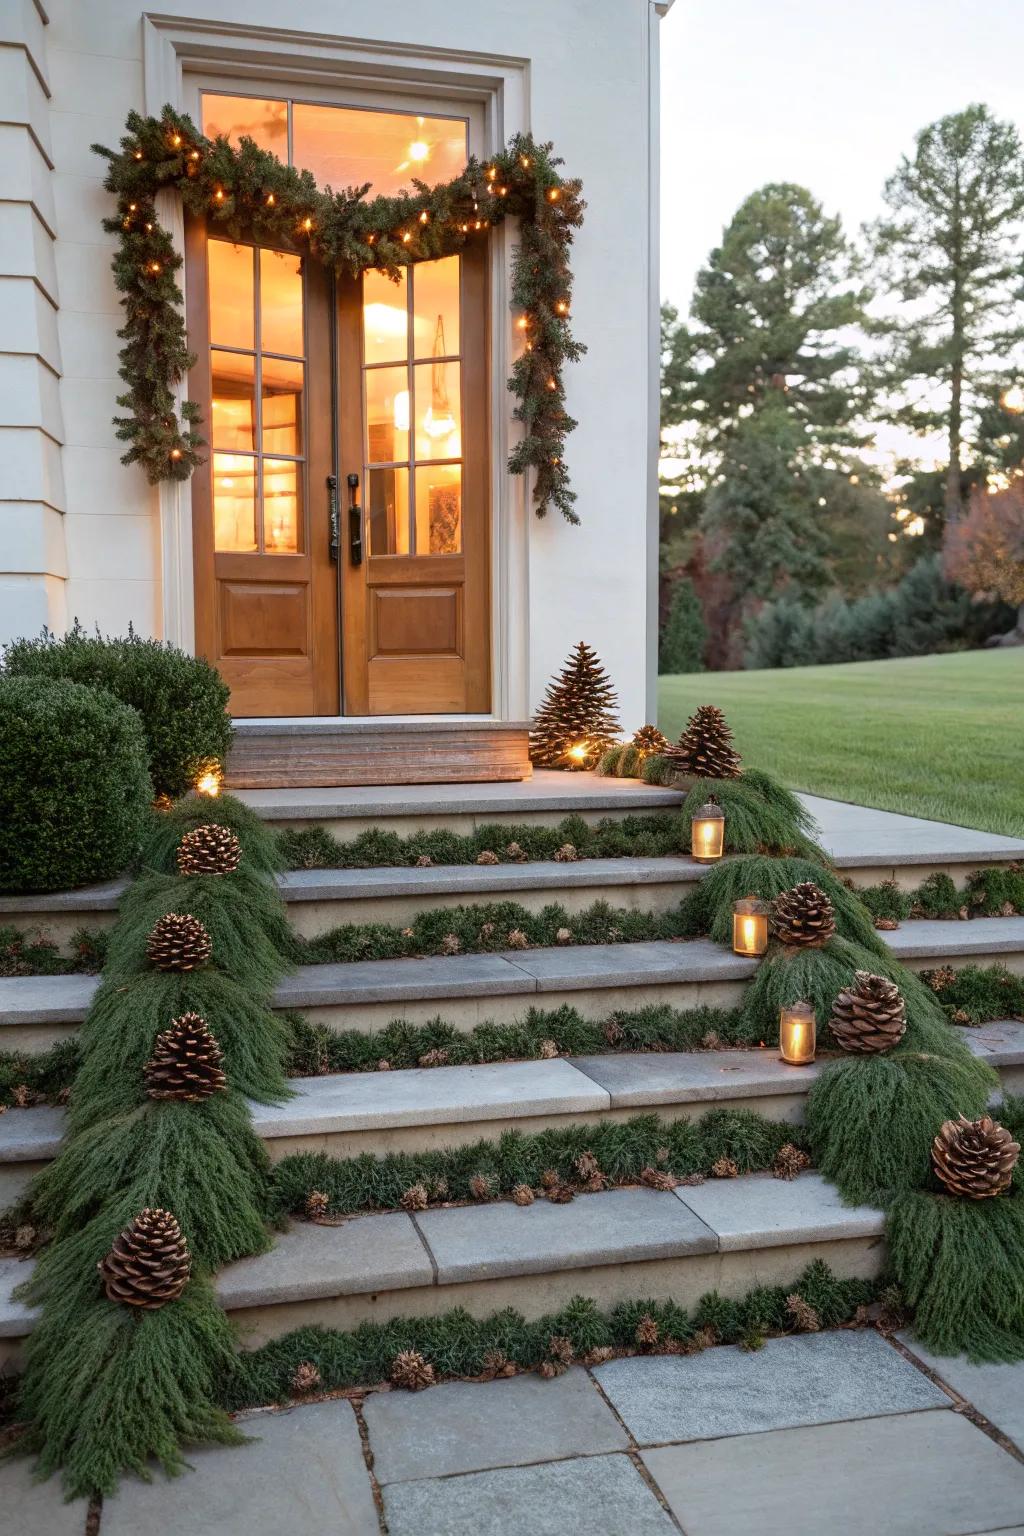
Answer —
74 786
182 699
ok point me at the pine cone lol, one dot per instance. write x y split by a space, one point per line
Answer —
658 1178
548 1049
704 750
305 1378
563 936
209 850
186 1062
648 740
437 1056
647 1332
149 1263
318 1203
869 1016
480 1187
974 1158
566 854
414 1198
803 917
488 856
451 944
725 1168
178 942
789 1161
410 1370
516 853
522 1194
805 1317
516 939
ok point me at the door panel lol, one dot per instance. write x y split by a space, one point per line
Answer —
266 610
412 387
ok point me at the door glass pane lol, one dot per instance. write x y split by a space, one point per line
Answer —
250 117
281 389
436 308
387 415
230 270
282 489
387 511
234 502
233 376
438 411
347 146
281 302
385 319
439 509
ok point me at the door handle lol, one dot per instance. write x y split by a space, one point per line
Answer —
333 516
355 522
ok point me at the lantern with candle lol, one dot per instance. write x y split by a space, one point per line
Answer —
797 1033
750 926
707 833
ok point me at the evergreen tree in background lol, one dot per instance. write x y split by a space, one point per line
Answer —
762 516
949 254
683 634
767 315
578 717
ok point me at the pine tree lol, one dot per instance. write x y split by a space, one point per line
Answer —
683 634
949 254
578 717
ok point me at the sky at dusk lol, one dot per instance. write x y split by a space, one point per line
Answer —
813 91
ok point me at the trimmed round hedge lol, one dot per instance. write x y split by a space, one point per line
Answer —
74 786
182 699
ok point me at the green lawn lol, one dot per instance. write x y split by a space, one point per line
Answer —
934 736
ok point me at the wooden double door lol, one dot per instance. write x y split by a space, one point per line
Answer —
341 523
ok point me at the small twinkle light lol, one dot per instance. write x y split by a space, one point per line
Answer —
271 199
154 267
218 196
552 383
503 191
750 926
176 141
132 207
149 229
464 228
556 460
209 782
424 217
797 1034
307 224
707 833
138 154
371 239
1012 399
492 173
406 238
524 161
194 155
175 453
553 194
522 323
578 754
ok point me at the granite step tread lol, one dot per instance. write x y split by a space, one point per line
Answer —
65 999
368 1255
504 1091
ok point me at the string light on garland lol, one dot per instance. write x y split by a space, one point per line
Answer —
249 192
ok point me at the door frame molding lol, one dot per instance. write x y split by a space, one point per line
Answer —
174 46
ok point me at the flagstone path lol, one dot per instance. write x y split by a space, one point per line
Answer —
838 1431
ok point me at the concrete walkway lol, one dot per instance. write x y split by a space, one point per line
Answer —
840 1432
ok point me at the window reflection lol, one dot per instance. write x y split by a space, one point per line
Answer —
385 319
249 117
234 399
234 502
281 303
439 509
281 392
232 286
348 146
281 491
387 415
387 511
437 411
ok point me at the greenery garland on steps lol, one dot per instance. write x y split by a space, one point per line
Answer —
247 193
106 1390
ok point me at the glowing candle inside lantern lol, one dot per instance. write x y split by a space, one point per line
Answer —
707 833
750 926
797 1033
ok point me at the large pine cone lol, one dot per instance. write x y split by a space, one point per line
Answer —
186 1062
869 1016
648 740
974 1158
209 850
149 1263
803 917
178 942
704 750
410 1370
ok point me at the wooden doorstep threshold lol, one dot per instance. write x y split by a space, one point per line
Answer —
333 753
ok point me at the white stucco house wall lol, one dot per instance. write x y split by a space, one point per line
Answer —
82 536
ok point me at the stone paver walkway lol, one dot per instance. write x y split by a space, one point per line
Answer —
839 1431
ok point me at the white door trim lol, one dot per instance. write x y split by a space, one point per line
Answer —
173 45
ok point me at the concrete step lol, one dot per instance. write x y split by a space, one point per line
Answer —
321 899
466 990
347 1114
540 801
727 1235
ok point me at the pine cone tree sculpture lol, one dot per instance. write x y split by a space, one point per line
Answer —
209 850
578 717
869 1016
149 1263
178 942
975 1158
705 750
648 741
186 1062
803 917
